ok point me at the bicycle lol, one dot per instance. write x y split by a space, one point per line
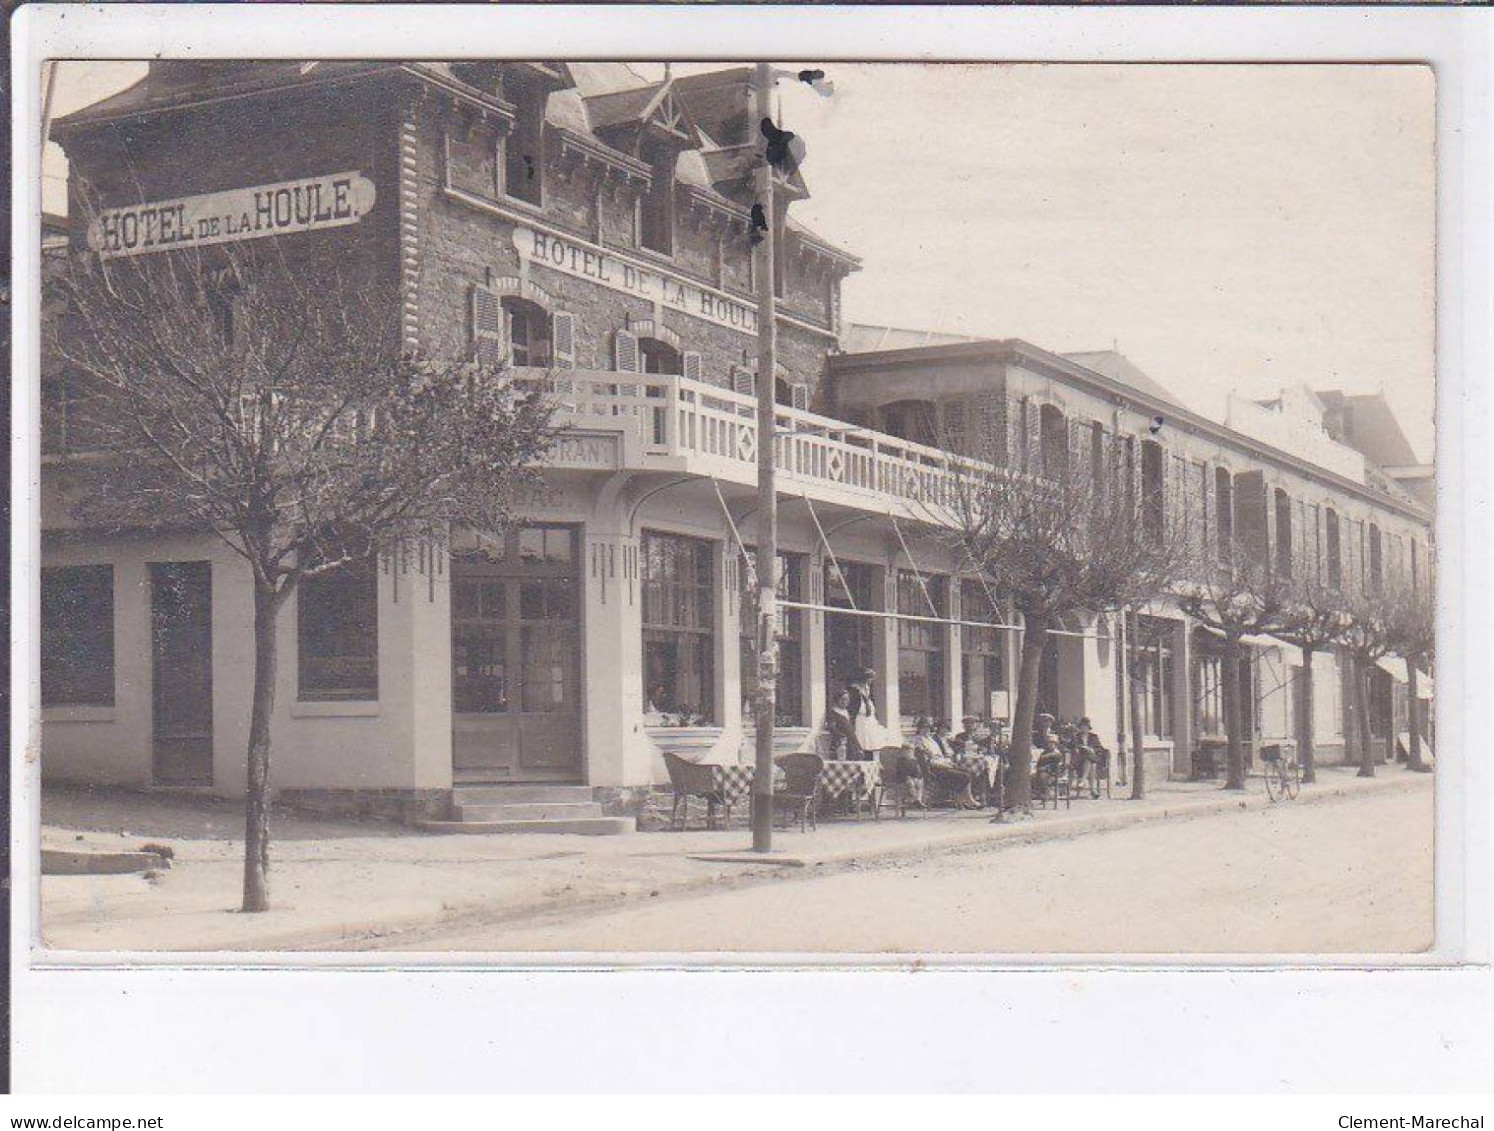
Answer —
1282 773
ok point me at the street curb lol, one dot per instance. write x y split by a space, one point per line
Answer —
982 836
976 836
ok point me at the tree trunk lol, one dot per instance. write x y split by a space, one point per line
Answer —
257 796
1234 771
1034 638
1413 719
1138 726
1306 756
1361 693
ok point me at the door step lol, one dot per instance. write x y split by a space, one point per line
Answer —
528 809
578 826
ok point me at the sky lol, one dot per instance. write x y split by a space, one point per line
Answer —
1228 228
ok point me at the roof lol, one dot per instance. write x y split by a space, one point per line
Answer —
1376 432
594 79
861 338
1119 368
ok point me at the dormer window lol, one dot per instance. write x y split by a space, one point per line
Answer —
522 163
656 207
660 357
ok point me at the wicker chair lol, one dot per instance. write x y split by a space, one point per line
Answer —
1052 780
896 788
801 783
688 779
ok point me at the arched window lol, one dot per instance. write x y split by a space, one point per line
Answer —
529 332
660 357
1054 441
913 421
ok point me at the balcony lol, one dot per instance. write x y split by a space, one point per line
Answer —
670 423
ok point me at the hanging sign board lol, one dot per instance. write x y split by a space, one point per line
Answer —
305 205
1001 705
606 268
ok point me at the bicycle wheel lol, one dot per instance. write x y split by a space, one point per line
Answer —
1291 780
1274 787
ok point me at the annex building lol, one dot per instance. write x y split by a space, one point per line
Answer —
588 223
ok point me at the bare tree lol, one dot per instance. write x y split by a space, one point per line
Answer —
1059 536
267 400
1413 630
1235 595
1313 620
1368 637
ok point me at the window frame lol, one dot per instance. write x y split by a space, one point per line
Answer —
312 602
100 662
665 592
917 637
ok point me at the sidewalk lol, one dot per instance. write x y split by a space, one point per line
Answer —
339 884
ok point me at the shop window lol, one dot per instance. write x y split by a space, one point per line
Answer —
1283 533
1208 687
982 651
529 341
1054 441
524 148
849 638
788 707
77 636
337 633
1154 664
678 631
920 646
1335 552
1153 496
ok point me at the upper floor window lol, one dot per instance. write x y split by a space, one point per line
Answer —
1224 511
77 636
656 206
1334 550
528 331
910 420
1376 560
1283 533
1153 497
523 163
659 356
1053 434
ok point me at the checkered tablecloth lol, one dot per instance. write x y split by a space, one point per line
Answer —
983 765
858 777
732 782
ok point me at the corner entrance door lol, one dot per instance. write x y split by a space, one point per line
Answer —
181 647
515 658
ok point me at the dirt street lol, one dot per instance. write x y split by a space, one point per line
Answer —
1351 876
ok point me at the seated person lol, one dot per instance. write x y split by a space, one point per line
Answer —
840 729
939 765
973 752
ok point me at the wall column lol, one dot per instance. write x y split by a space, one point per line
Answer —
617 751
884 648
954 660
727 625
812 642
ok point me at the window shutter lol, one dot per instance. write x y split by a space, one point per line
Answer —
691 364
490 334
743 381
952 425
625 352
1032 417
563 339
799 397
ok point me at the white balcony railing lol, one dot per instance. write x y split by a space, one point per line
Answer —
715 430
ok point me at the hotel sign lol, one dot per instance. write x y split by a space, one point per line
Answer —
587 261
305 205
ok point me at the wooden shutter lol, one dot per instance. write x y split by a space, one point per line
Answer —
691 365
1197 504
743 381
563 339
625 356
799 397
490 333
1034 423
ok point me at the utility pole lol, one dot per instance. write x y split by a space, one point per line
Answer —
767 497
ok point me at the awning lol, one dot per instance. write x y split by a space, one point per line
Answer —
1396 667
